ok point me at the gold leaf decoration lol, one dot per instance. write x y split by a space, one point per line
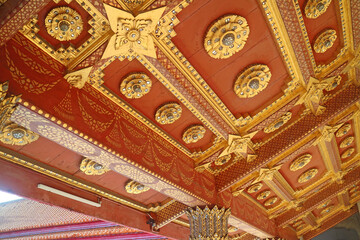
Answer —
278 123
314 8
222 160
254 188
347 142
63 23
263 195
226 36
17 135
168 113
325 41
343 130
135 187
334 83
194 134
135 85
308 175
300 162
326 210
252 80
90 167
271 201
347 153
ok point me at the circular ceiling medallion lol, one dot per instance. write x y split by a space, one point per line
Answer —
334 83
309 174
222 160
343 130
193 134
168 113
263 195
347 142
135 85
300 162
226 36
64 23
325 41
254 188
16 135
347 153
314 8
326 210
278 123
271 201
252 80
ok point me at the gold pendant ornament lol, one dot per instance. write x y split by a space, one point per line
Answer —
325 41
252 81
90 167
135 187
168 113
63 23
17 135
300 162
314 8
226 36
222 160
343 130
254 188
135 85
194 134
308 175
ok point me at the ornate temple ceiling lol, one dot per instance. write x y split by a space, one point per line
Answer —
252 105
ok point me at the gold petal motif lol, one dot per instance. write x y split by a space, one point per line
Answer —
308 175
347 142
254 188
263 195
314 8
135 187
278 123
325 41
226 36
193 134
271 201
17 135
90 167
63 23
252 80
300 162
347 153
343 130
135 85
168 113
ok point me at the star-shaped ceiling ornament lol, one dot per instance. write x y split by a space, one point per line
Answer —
132 34
241 146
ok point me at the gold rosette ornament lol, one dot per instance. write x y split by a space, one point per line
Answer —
263 195
271 201
135 187
343 130
314 8
254 188
347 142
308 175
300 162
17 135
135 85
90 167
347 153
278 123
194 134
325 41
168 113
226 36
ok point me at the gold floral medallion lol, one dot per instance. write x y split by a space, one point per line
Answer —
90 167
347 142
223 160
252 80
325 41
63 23
226 36
278 123
343 130
308 175
326 210
17 135
300 162
135 85
263 195
168 113
314 8
254 188
348 153
193 134
334 83
135 187
271 201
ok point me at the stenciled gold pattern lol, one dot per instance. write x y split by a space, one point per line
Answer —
252 80
135 187
271 201
278 123
90 167
308 175
17 135
193 134
300 162
314 8
168 113
343 130
347 153
254 188
64 23
346 142
325 41
263 195
135 85
226 36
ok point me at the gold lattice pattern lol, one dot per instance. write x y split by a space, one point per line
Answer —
168 113
300 162
135 85
278 123
314 8
17 135
226 36
135 187
194 134
308 175
252 81
325 41
90 167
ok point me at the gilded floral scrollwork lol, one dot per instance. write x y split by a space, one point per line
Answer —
300 162
278 123
135 187
168 113
194 134
226 36
325 41
252 81
308 175
90 167
135 85
17 135
314 8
